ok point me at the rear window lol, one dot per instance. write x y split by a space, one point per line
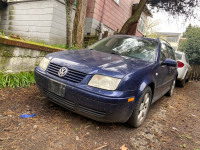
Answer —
178 56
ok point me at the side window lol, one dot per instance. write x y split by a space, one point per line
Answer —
171 53
186 58
164 53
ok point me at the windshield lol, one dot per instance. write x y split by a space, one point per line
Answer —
128 46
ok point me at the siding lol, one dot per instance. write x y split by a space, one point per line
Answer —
30 20
36 20
113 15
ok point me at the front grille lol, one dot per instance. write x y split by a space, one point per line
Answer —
59 100
72 75
91 111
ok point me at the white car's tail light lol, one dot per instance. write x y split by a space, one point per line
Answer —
180 64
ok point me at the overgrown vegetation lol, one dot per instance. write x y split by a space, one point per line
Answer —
43 43
39 43
23 79
2 33
191 44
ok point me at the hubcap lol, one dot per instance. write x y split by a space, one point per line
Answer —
173 86
144 107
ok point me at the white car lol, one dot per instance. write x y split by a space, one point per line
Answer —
184 68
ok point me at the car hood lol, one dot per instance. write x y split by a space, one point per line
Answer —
96 62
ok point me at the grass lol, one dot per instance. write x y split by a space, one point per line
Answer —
2 33
23 79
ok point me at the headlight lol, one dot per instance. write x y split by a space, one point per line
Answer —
44 63
104 82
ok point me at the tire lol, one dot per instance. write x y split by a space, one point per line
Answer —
171 90
188 78
182 83
141 109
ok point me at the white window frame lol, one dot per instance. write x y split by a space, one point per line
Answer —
141 20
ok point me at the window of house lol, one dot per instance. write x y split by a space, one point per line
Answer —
141 25
117 1
172 39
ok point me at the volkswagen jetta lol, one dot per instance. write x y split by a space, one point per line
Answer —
114 80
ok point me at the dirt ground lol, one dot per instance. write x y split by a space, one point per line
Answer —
172 124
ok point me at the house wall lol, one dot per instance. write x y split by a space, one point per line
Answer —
43 20
172 36
112 15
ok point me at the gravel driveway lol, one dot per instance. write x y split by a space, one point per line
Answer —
172 123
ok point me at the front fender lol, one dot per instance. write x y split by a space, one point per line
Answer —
138 82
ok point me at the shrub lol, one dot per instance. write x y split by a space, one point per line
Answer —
23 79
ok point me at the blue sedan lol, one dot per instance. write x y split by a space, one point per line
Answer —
114 80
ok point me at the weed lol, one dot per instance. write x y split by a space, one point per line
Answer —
62 46
180 136
183 146
67 120
192 105
39 43
23 79
2 32
188 136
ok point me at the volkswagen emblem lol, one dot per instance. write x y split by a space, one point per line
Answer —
62 72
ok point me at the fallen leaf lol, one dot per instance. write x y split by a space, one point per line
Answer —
123 147
77 138
174 128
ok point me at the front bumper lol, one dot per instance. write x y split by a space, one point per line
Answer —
101 108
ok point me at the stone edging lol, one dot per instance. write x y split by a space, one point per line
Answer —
18 43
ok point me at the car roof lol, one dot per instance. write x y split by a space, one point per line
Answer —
182 53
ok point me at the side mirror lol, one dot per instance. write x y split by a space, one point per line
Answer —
169 62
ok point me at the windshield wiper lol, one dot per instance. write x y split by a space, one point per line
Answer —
114 53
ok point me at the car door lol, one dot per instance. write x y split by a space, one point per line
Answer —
172 70
162 73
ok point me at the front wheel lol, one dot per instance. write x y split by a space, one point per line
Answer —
171 91
141 109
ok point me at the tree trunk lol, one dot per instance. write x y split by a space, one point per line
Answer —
133 19
79 23
69 5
